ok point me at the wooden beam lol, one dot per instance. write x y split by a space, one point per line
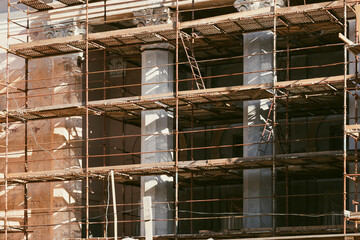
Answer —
263 12
345 39
297 88
45 42
137 170
259 13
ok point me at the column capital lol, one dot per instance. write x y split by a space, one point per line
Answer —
63 29
245 5
152 16
158 46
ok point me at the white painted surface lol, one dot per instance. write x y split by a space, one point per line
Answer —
148 218
257 183
157 75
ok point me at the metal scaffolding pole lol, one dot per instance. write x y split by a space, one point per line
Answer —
104 133
274 144
345 120
7 79
177 23
26 163
87 118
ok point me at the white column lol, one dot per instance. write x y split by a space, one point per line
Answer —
157 77
257 184
351 112
351 36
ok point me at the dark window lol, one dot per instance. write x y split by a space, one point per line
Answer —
237 150
336 140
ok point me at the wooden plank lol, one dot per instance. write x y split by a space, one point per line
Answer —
93 36
47 42
197 97
313 81
345 39
130 31
71 2
36 4
261 13
136 170
354 127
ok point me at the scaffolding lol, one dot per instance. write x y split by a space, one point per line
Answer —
205 109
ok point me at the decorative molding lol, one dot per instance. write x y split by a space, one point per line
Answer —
152 16
64 29
117 66
245 5
158 46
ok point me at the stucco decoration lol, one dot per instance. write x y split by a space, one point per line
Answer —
117 66
63 29
152 16
246 5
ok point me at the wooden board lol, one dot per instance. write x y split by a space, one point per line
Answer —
129 107
240 22
129 173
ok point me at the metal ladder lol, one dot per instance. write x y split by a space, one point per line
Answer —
266 133
185 40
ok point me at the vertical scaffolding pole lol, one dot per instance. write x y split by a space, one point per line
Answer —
287 196
177 121
287 167
26 166
345 120
104 135
191 202
356 203
87 116
123 75
287 145
274 125
356 122
7 79
6 145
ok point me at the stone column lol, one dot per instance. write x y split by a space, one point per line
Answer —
257 184
352 70
157 75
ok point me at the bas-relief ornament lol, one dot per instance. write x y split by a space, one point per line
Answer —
152 16
245 5
63 29
117 66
